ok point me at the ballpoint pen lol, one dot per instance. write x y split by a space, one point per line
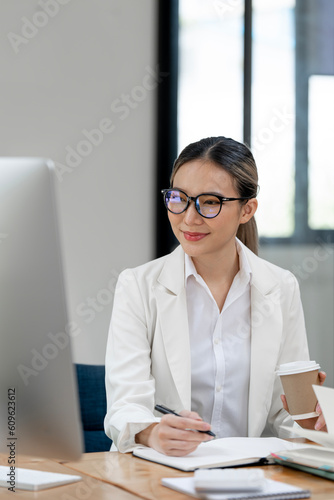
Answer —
165 411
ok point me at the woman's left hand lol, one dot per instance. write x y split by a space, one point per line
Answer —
317 423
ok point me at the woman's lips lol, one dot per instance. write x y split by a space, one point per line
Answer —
194 236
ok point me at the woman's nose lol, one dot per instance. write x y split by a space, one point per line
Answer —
191 215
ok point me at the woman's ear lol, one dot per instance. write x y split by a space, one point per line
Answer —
248 210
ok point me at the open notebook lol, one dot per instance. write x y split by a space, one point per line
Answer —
224 452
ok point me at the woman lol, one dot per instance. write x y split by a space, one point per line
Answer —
203 329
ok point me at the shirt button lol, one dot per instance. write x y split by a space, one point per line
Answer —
218 389
216 340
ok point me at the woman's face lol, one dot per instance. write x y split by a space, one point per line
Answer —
201 237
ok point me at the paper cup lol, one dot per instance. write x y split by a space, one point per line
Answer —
297 379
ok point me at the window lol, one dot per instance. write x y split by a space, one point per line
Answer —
210 93
292 101
321 135
273 114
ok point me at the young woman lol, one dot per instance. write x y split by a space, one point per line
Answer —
203 329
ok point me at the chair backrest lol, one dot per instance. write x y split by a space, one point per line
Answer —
93 406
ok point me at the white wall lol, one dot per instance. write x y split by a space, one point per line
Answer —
313 265
70 66
61 78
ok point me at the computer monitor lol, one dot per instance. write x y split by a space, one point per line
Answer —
39 407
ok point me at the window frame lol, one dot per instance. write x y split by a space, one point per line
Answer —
167 126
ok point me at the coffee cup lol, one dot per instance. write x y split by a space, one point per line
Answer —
297 379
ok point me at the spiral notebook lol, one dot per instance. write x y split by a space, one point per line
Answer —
273 490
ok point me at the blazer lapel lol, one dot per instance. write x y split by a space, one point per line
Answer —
172 310
266 328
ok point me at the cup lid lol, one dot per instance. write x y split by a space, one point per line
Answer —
297 367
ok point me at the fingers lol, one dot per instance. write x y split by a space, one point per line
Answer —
179 448
317 423
320 424
284 402
177 436
190 414
322 377
187 424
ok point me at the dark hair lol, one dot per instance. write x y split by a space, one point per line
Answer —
236 159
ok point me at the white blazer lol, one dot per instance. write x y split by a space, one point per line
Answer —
148 351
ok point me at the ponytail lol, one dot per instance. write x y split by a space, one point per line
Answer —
247 234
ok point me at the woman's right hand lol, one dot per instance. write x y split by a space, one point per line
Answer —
175 436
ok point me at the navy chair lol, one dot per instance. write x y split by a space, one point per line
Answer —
93 406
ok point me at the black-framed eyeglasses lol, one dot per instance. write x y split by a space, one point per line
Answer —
208 205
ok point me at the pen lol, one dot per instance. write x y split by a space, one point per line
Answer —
165 411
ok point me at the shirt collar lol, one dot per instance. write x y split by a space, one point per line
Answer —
190 269
245 272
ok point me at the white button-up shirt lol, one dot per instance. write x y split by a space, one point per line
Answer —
220 350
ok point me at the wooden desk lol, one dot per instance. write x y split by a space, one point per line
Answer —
87 489
142 478
124 477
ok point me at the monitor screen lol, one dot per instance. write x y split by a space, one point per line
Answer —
39 408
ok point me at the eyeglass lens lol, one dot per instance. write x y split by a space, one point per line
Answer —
207 205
